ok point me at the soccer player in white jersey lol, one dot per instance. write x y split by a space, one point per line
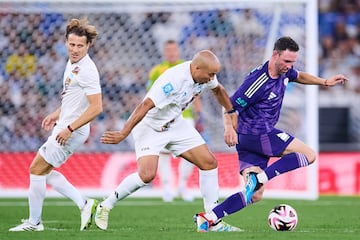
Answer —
81 102
157 123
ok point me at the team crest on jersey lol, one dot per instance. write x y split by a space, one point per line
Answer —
66 85
76 70
167 88
283 136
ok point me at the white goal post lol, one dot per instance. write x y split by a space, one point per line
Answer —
239 51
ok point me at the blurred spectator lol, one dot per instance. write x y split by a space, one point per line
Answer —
22 62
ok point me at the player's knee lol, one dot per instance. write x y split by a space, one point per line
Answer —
208 164
311 156
147 176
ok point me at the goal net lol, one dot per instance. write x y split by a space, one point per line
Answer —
132 33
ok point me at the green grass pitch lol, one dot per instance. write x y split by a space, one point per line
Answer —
148 218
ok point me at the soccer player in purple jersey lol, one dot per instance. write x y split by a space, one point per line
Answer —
258 102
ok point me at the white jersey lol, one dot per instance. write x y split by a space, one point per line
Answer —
171 93
80 79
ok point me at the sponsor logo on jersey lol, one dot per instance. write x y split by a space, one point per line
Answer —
167 88
241 102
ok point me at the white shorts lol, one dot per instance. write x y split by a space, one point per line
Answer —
179 137
189 121
55 154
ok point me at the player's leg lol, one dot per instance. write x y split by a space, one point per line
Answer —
166 176
147 165
59 183
37 189
87 206
208 183
233 203
294 154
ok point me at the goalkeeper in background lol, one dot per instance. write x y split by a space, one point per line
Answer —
191 114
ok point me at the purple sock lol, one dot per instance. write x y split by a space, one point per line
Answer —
230 205
285 164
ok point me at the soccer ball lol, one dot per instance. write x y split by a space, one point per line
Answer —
282 217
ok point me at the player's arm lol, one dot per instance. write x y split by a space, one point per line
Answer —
229 119
196 109
114 137
306 78
230 123
93 110
50 120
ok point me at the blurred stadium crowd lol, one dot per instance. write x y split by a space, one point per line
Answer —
33 56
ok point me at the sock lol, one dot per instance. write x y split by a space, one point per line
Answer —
165 172
230 205
58 182
129 185
285 164
185 169
209 188
37 192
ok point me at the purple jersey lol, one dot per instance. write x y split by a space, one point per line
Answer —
259 98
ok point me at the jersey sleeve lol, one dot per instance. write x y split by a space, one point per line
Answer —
162 91
89 80
292 74
239 100
213 83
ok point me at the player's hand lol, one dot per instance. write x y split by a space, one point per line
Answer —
230 136
48 123
112 137
63 136
337 79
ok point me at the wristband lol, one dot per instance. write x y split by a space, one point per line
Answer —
70 129
230 111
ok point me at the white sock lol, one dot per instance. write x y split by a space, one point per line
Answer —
165 172
262 177
209 188
57 181
129 185
211 216
185 169
37 191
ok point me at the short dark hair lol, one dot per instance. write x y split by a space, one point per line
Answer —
284 43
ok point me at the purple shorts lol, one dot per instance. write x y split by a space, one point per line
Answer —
256 150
